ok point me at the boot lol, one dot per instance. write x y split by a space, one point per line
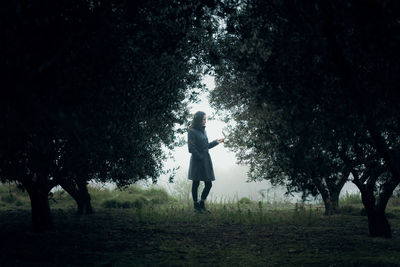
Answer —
197 207
203 207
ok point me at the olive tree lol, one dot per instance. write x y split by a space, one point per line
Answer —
302 81
94 90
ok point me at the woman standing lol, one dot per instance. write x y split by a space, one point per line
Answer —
201 168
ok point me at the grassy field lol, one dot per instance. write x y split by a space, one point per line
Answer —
139 227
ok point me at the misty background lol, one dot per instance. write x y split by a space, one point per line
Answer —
230 177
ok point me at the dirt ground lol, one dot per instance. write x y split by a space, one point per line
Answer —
114 237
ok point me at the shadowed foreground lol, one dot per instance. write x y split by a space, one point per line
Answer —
122 237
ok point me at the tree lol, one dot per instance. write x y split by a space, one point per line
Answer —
308 78
285 148
374 181
367 71
257 73
94 90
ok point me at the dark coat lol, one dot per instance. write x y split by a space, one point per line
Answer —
201 168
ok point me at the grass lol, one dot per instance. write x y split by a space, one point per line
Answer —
164 231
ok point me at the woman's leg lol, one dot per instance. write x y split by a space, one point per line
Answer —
204 194
195 187
206 190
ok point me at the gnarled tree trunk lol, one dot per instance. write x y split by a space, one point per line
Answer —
330 193
79 192
331 204
378 224
84 200
41 216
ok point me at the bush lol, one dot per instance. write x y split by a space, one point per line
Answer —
157 195
136 197
245 201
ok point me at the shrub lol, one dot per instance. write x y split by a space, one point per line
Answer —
157 195
245 201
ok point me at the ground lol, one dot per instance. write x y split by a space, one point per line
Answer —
128 237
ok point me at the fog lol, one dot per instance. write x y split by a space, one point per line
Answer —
231 178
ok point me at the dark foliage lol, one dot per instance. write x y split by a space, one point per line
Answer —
313 90
93 90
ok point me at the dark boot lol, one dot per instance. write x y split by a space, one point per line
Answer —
203 207
197 207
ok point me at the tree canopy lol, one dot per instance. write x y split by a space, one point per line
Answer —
307 82
94 90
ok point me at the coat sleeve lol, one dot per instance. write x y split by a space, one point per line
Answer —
192 146
212 144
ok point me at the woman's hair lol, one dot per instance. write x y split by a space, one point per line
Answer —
197 120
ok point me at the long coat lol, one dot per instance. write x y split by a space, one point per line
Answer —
201 168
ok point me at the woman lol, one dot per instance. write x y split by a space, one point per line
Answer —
200 168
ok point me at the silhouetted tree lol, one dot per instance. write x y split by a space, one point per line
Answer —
93 90
304 80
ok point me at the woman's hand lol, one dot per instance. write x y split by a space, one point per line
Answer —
220 140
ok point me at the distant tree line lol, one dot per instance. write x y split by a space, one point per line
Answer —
313 90
93 90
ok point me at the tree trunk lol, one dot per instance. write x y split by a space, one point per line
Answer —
83 201
79 192
378 224
41 216
335 203
330 192
327 204
331 204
